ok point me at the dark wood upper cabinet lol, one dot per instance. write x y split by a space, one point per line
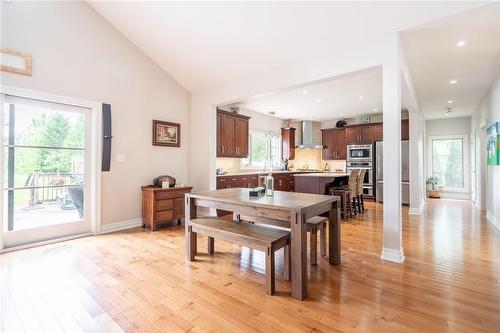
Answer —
228 135
341 144
288 142
232 134
219 134
353 134
334 144
241 137
367 134
405 129
378 130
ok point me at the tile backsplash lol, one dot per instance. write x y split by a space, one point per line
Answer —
311 157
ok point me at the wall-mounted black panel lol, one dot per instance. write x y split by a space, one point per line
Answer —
106 137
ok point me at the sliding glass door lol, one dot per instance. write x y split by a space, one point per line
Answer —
46 170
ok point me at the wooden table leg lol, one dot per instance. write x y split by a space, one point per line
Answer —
299 255
334 249
190 237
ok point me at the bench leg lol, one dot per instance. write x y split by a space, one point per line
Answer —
270 288
313 246
322 239
210 245
192 248
287 263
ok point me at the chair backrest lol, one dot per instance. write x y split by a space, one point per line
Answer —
353 181
361 179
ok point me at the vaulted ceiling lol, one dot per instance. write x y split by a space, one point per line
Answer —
206 44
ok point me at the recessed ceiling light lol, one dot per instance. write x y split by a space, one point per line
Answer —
461 43
375 109
361 97
304 92
319 100
341 114
453 81
450 101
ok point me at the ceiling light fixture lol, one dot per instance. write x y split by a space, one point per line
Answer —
450 101
361 97
304 92
341 114
461 43
319 100
375 109
453 81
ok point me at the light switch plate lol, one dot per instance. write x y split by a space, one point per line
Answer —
121 157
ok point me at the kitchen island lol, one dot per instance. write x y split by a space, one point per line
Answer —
318 183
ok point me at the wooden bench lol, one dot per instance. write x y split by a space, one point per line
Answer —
253 236
313 225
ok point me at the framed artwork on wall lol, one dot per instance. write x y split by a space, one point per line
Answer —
15 62
493 144
166 134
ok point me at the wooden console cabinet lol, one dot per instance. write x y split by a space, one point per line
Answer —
162 204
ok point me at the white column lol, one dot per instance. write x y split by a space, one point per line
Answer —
392 245
416 164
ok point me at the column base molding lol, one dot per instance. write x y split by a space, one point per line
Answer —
392 255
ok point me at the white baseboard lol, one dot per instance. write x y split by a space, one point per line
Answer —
493 220
45 242
122 225
417 211
455 195
392 255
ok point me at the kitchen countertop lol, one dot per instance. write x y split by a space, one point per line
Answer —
323 174
266 172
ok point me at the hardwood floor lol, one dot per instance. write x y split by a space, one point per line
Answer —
140 281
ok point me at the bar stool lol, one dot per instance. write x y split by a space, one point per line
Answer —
313 225
359 191
347 194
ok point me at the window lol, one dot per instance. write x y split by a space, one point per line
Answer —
264 151
448 162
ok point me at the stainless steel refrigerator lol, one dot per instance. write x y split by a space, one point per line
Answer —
405 174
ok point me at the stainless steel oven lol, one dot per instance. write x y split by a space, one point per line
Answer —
360 153
368 181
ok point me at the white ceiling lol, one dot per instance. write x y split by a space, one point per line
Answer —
434 60
206 44
340 98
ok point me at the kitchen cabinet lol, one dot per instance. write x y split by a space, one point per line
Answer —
288 143
360 134
378 132
232 134
405 129
334 142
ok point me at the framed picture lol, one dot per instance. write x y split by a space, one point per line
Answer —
166 134
15 62
493 144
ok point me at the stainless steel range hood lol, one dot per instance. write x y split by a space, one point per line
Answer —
309 135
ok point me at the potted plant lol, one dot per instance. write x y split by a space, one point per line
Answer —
432 182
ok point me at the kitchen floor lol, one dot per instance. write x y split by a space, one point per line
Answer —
139 280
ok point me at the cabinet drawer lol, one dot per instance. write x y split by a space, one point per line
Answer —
168 195
165 215
164 204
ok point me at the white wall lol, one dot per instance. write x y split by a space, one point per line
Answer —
488 177
76 53
450 126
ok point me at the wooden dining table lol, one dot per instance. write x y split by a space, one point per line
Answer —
284 209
